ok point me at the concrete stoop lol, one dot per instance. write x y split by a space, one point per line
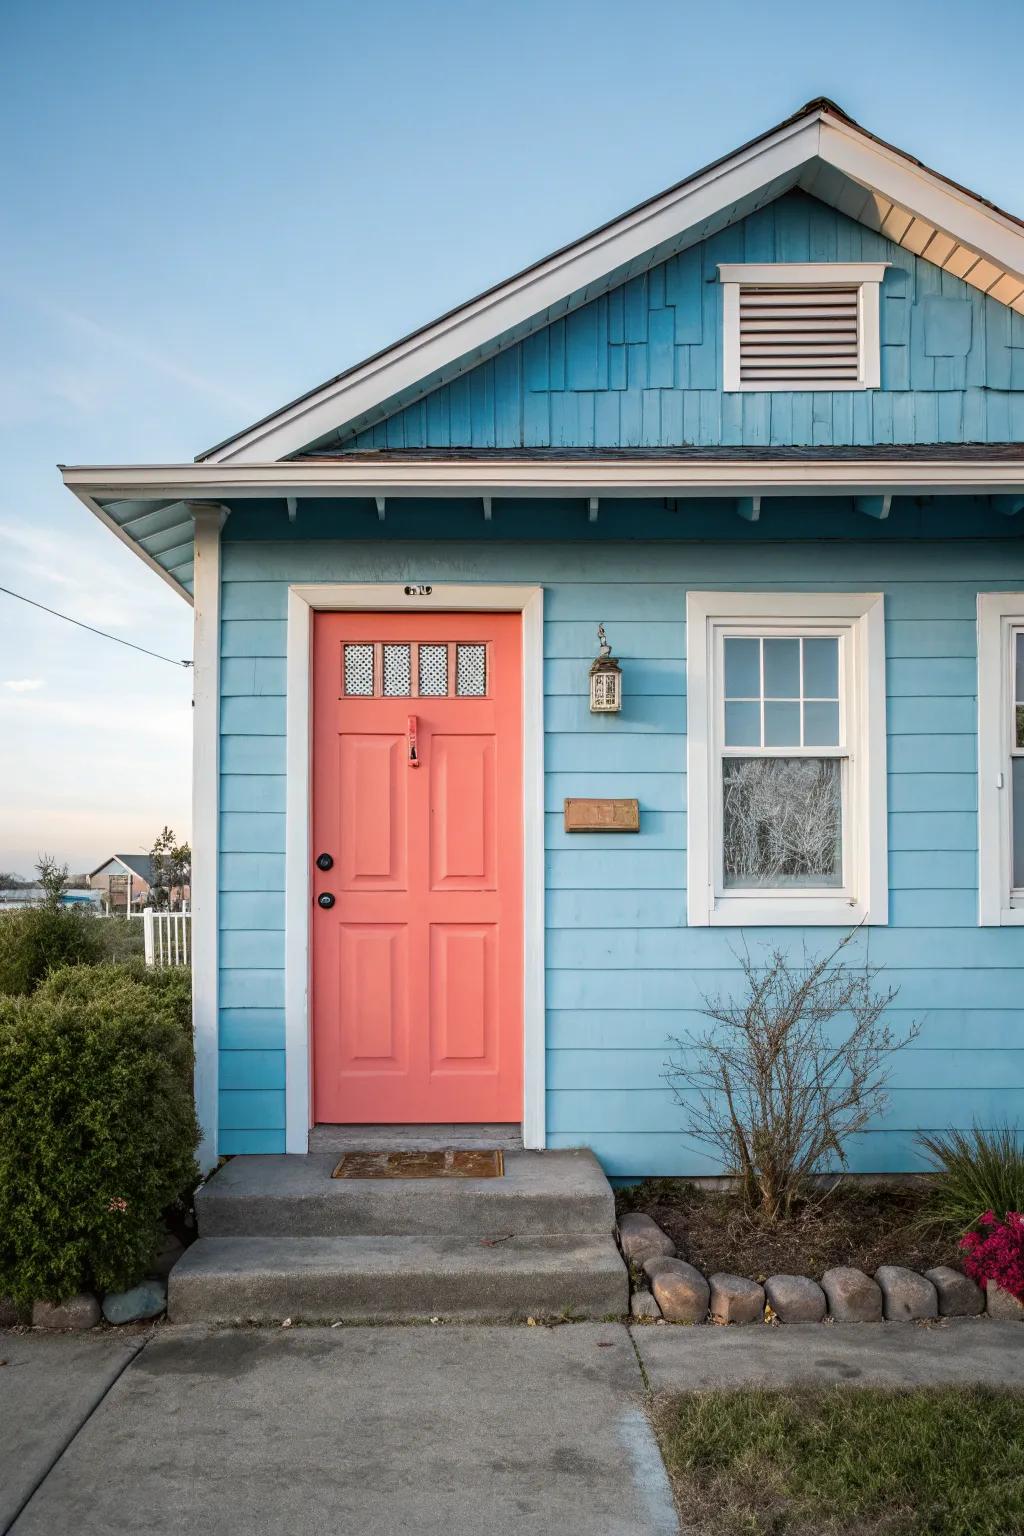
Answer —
279 1238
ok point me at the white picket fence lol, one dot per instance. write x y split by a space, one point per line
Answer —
167 937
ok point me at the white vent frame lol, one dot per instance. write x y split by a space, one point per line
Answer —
865 276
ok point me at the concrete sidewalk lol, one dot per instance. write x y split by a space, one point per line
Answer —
955 1352
378 1431
49 1385
392 1430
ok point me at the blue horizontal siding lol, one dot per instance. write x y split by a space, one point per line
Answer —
957 1031
624 973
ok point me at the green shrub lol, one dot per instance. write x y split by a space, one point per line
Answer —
121 938
975 1171
97 1130
171 986
38 939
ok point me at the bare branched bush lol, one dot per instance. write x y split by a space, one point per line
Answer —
788 1072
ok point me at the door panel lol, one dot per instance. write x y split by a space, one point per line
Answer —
462 809
417 990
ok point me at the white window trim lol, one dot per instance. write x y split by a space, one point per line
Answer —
863 615
866 276
999 613
303 601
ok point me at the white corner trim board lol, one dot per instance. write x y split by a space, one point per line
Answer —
208 521
303 601
1000 614
859 619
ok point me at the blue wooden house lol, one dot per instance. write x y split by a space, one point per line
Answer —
768 429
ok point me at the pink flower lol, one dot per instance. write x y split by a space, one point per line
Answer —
997 1253
117 1204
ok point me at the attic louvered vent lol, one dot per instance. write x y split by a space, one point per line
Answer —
801 325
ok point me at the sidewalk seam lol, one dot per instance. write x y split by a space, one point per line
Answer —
131 1355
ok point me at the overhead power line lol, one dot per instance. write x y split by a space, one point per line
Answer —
101 632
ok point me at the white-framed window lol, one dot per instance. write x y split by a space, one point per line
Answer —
786 776
801 325
1000 758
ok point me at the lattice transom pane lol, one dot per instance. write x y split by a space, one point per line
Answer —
397 671
471 671
359 670
433 671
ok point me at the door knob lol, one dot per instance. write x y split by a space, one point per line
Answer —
325 900
324 861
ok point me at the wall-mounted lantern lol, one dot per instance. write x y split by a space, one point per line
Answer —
605 679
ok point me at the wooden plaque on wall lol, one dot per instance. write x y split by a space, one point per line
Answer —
602 815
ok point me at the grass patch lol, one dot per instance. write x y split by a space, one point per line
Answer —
846 1462
859 1224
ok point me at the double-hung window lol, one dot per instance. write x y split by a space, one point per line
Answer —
1000 758
786 758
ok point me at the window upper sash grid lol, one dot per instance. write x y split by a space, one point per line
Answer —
780 692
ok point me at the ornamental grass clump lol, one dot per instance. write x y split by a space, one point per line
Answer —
97 1131
974 1172
788 1072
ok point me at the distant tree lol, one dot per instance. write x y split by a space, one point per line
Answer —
53 878
172 869
12 882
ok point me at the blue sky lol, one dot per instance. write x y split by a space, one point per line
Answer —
209 207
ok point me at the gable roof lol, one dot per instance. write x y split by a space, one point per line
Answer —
819 149
140 864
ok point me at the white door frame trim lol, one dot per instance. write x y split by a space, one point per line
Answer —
303 601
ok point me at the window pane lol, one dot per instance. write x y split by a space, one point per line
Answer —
821 725
1018 739
782 821
471 671
1017 772
397 671
782 725
821 668
782 669
742 668
743 725
433 671
359 669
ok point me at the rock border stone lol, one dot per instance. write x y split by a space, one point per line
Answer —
844 1295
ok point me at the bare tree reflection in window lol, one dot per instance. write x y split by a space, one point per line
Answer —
782 821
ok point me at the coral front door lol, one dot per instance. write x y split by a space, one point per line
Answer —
418 919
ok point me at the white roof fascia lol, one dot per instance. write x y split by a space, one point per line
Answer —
534 291
949 208
367 477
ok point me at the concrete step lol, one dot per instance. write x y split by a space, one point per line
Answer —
466 1279
558 1193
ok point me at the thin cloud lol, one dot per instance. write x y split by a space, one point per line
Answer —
147 357
24 684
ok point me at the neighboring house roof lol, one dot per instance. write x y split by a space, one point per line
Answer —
138 864
820 150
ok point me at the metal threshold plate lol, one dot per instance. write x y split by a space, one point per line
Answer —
447 1163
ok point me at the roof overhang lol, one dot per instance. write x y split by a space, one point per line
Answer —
512 477
820 150
167 496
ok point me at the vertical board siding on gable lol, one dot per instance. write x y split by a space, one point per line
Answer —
641 365
624 973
